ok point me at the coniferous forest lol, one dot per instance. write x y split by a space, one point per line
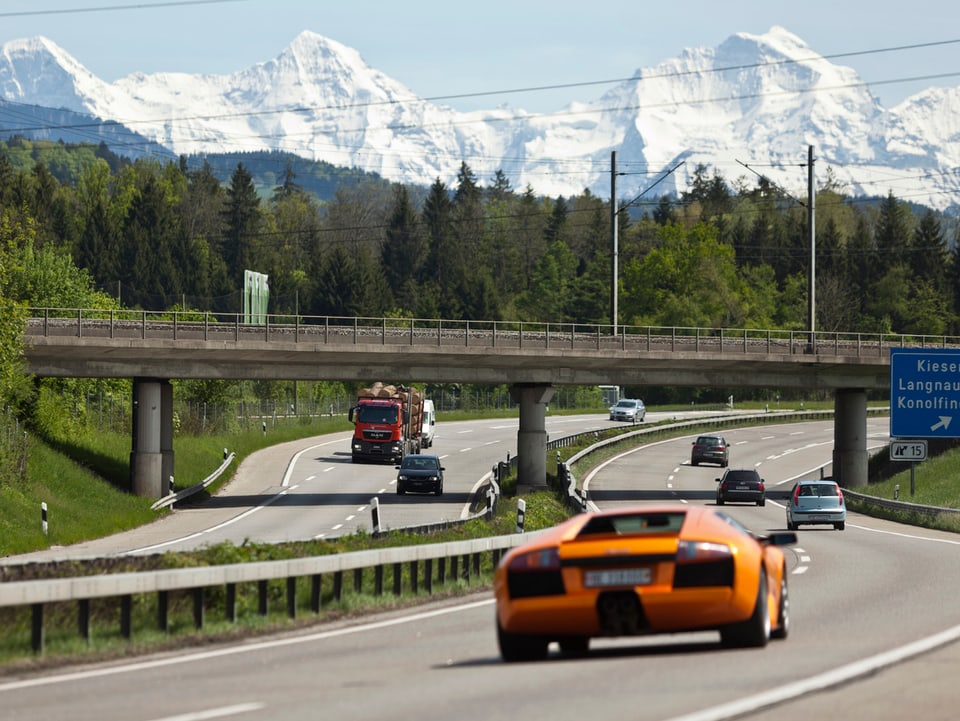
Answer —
83 227
726 253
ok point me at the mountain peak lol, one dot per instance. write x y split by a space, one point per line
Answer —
763 98
38 71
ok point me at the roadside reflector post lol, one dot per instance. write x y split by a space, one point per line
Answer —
43 517
521 510
375 510
896 492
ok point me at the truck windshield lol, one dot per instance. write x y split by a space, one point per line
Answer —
373 414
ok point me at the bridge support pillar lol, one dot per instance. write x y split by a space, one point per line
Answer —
532 436
151 457
850 438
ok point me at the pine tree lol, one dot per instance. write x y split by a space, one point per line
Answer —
241 217
403 254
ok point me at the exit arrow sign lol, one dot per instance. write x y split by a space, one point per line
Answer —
908 450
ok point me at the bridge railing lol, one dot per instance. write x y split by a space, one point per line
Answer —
286 328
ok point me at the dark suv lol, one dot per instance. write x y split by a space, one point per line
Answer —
743 485
710 449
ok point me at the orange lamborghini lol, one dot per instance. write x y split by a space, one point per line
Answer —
637 571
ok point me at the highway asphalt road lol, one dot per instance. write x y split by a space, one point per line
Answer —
310 488
862 599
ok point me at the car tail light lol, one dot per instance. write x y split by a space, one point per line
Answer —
700 551
762 486
796 496
536 573
840 495
702 564
542 559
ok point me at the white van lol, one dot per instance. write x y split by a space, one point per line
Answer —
429 424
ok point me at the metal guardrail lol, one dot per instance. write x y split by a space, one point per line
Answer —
172 498
231 327
461 558
901 506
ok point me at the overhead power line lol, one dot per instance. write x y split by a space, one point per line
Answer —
108 8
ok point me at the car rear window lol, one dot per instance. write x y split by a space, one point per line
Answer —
634 523
819 489
742 476
708 441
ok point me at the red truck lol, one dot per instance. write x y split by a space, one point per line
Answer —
387 423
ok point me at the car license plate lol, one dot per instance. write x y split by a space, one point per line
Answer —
618 577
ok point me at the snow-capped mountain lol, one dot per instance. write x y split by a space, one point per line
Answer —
758 100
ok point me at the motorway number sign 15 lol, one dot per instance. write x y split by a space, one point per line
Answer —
924 393
908 450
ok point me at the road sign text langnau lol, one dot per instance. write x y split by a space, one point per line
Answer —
908 450
924 393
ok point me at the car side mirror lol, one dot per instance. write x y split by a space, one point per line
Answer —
717 480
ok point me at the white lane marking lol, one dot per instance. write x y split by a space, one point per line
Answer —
215 712
801 569
491 443
248 512
911 536
242 647
309 478
362 508
828 679
462 432
327 470
767 438
597 469
464 450
296 457
337 527
796 433
349 518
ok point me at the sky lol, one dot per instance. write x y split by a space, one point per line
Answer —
494 52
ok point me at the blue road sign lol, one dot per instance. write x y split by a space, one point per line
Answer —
924 393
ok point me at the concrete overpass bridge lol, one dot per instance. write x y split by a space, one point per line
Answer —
532 358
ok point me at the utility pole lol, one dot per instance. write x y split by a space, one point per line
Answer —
614 313
811 291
